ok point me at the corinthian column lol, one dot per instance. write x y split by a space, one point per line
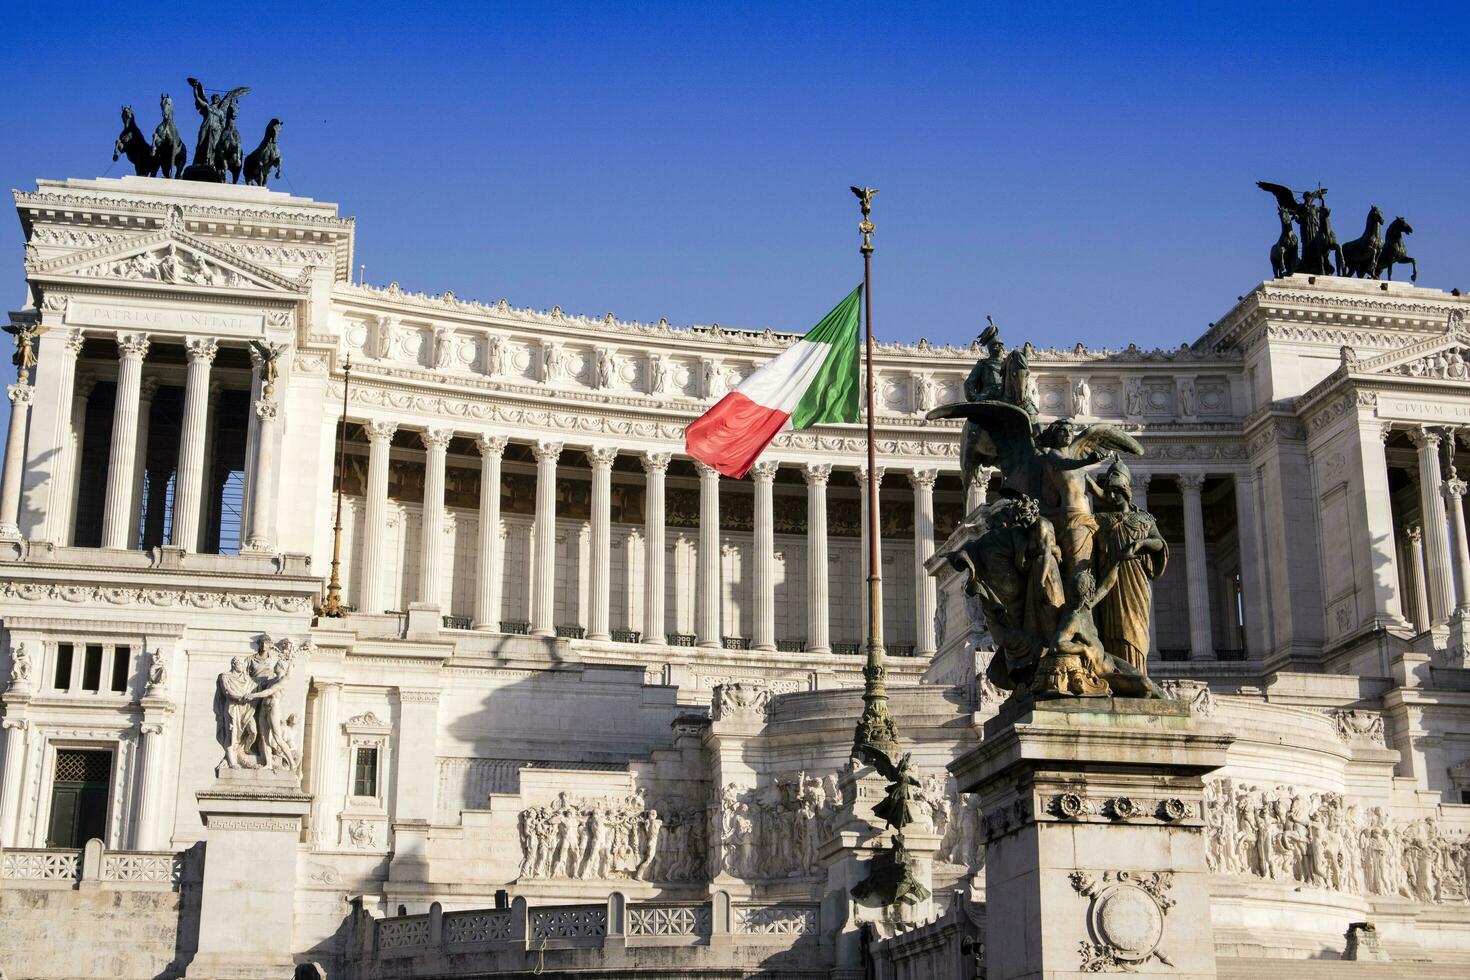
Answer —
818 635
15 451
1436 534
487 579
543 585
599 576
1415 538
655 465
189 484
1454 493
59 350
975 492
149 790
375 514
925 595
1197 568
763 476
117 515
1141 481
263 497
324 759
709 557
431 550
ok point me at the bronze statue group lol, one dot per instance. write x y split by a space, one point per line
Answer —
1314 250
218 150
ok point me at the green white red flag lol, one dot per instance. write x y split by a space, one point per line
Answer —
815 380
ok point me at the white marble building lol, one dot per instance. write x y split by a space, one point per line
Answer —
585 589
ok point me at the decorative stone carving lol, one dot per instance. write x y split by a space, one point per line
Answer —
1354 726
1125 918
739 699
1324 840
774 831
609 839
1081 396
157 673
20 669
1197 693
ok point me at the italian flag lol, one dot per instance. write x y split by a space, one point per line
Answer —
814 380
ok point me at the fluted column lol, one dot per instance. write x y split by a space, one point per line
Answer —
141 504
862 475
763 591
925 594
1197 568
262 534
16 727
490 567
818 607
708 617
1415 536
64 522
59 350
150 787
375 515
252 444
1252 565
1454 494
189 483
15 450
655 466
1436 533
543 583
122 463
431 548
599 578
1141 481
324 759
975 492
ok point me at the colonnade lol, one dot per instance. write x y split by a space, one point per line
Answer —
1437 549
126 452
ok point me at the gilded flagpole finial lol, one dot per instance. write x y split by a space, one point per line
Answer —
865 197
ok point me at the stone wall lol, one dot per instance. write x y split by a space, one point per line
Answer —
110 933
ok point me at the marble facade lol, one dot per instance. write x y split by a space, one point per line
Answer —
621 688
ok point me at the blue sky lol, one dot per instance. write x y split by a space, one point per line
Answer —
1080 173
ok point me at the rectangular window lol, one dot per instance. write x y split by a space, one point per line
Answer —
63 666
365 772
92 668
122 658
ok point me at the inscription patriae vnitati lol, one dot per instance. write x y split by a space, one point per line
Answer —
83 314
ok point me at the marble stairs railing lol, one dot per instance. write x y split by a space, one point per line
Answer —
93 866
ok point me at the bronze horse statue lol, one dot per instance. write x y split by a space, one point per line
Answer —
1394 252
265 156
228 156
1283 253
1360 256
1325 246
169 152
131 142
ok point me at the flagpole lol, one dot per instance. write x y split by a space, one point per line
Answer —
875 728
332 607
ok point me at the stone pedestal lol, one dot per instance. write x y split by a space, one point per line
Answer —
1095 862
252 820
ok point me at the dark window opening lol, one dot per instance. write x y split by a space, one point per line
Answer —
63 666
121 660
365 772
92 668
79 797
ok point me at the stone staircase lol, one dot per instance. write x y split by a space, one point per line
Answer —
1282 969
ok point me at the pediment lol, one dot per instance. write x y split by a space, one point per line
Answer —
1445 357
169 257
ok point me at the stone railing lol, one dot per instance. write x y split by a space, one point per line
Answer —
93 867
573 927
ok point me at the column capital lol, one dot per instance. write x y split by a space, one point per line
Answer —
923 479
705 471
267 409
379 430
72 341
546 450
1453 489
20 394
601 457
201 349
147 388
490 445
150 729
1424 437
1191 484
656 462
132 345
817 474
1414 533
862 472
764 471
436 438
